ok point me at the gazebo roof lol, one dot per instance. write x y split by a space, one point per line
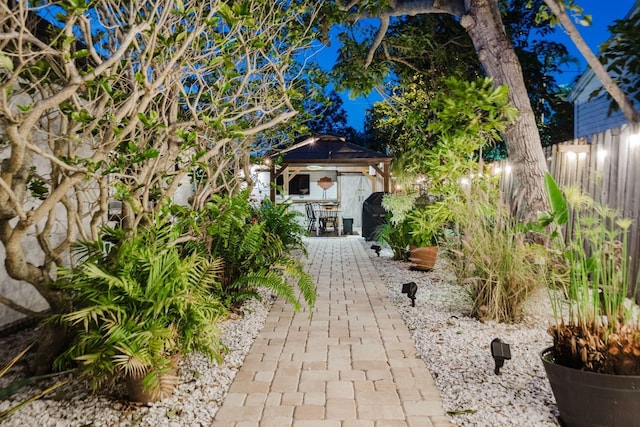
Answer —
324 151
330 149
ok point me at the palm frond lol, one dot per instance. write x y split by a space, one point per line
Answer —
270 279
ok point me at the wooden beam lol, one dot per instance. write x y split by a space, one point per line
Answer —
272 183
385 176
582 148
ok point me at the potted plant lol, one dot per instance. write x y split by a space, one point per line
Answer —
397 236
594 364
396 232
425 232
136 305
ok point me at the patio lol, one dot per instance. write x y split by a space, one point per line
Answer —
349 362
328 171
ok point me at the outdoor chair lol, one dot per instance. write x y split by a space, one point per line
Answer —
312 221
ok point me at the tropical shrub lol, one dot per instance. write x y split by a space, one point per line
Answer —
596 323
443 143
397 236
254 246
494 258
426 228
443 147
281 221
136 301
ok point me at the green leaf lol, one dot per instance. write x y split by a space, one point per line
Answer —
5 62
227 14
82 53
140 77
557 201
82 116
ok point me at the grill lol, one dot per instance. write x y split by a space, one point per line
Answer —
373 215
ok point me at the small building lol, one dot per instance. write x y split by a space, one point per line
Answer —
326 169
591 113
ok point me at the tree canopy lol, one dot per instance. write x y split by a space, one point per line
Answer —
131 101
482 21
620 53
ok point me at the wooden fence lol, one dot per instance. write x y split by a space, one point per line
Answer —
607 166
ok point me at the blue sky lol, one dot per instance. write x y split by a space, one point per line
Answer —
603 14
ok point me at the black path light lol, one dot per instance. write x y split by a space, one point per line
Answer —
410 289
500 352
376 248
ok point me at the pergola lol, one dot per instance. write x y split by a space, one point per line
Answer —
316 152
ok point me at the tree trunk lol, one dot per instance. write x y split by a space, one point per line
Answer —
484 25
482 20
625 104
52 342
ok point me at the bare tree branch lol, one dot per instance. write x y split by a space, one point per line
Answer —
626 105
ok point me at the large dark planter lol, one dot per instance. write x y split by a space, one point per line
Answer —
592 399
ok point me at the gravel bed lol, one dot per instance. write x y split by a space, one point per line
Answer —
203 386
456 349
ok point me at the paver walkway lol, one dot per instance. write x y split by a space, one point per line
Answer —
351 364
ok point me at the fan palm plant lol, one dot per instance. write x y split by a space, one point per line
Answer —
136 302
257 246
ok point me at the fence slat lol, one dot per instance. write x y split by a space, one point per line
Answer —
608 170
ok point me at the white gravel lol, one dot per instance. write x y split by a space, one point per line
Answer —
454 347
194 402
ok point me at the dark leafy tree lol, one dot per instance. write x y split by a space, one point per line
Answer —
433 47
328 116
620 53
482 20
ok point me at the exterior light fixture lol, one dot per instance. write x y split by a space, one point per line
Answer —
410 289
500 352
602 154
376 248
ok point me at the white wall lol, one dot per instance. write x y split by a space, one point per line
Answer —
355 189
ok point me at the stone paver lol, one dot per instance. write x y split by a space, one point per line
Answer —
349 363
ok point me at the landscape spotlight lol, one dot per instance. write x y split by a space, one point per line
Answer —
500 352
376 248
410 289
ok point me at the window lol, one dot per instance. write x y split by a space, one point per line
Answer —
298 184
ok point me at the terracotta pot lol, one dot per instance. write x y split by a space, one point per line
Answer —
138 393
423 258
593 399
